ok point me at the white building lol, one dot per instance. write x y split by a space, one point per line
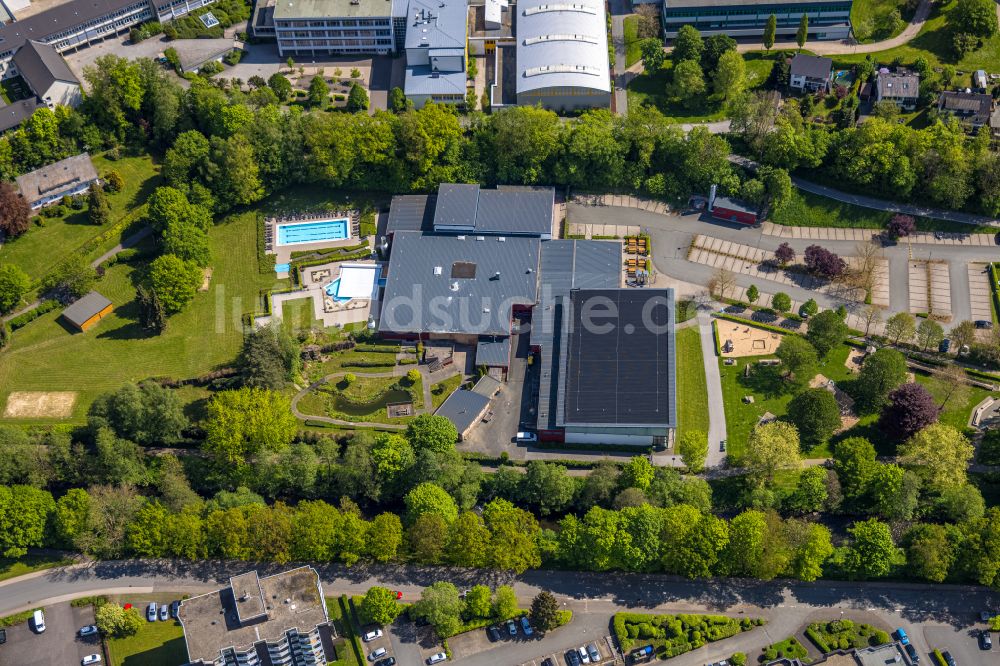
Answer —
435 51
306 28
47 74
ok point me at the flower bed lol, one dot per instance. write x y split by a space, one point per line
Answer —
671 635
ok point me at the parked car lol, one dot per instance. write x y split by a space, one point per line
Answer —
164 613
944 346
377 654
548 662
89 630
722 446
526 626
493 633
372 635
3 636
436 658
38 619
388 661
984 323
912 652
984 616
91 659
572 658
151 611
948 659
511 627
584 655
526 437
595 654
902 637
175 609
985 640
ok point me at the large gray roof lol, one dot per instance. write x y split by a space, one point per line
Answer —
505 210
291 9
411 212
457 284
562 43
815 67
462 408
493 351
898 86
565 265
41 66
15 113
58 19
35 185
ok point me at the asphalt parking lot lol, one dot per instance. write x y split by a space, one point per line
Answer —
59 643
962 643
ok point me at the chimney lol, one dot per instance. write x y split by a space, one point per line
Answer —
711 197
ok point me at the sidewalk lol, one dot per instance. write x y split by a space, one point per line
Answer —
865 235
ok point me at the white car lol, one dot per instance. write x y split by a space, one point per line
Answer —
377 654
527 437
372 635
584 656
436 658
91 659
151 611
89 630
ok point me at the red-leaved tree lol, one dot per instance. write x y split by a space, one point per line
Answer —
15 213
823 263
900 226
911 408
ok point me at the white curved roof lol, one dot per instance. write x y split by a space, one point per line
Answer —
562 44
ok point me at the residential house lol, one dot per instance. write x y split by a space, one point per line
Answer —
47 74
973 110
811 73
901 88
68 177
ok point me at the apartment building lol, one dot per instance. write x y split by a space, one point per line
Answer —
336 27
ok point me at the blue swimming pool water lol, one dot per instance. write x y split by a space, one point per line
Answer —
282 268
311 232
332 288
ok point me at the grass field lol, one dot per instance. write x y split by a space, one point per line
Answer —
651 89
865 14
45 356
632 52
771 395
347 644
934 44
11 568
156 644
365 391
692 388
297 315
40 249
441 390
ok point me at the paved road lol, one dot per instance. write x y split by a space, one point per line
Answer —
945 610
716 410
622 75
672 235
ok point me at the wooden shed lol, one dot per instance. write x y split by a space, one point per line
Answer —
87 311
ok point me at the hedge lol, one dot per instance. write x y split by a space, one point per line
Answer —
379 349
814 636
31 315
672 635
757 324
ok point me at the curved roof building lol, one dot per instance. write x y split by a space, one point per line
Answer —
562 54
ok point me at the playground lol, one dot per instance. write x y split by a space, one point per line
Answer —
737 340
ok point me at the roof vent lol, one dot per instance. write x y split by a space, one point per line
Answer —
454 286
437 270
480 238
501 239
460 237
486 310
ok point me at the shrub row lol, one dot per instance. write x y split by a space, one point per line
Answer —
31 315
675 634
379 349
817 640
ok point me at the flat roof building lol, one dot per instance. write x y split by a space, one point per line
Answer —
828 19
465 407
463 208
435 51
457 287
332 27
279 619
85 312
617 373
68 177
562 54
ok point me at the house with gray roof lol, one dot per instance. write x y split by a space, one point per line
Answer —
810 73
973 110
47 185
901 88
47 74
15 113
562 55
435 51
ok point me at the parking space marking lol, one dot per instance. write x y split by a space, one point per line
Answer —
980 293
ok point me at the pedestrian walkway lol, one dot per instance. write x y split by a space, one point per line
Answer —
865 235
622 200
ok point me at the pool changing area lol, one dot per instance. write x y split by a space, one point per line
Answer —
356 281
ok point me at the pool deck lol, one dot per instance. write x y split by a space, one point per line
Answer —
283 253
325 307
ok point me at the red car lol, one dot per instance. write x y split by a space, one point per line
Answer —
399 595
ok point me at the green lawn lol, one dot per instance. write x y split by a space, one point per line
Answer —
11 568
866 13
45 356
40 249
297 315
934 44
367 392
651 89
789 648
156 644
632 52
812 210
441 390
346 644
692 389
956 412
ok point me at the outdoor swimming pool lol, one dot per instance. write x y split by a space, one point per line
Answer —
333 289
312 232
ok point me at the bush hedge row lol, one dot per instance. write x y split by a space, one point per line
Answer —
672 635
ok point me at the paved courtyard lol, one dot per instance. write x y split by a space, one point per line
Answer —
930 288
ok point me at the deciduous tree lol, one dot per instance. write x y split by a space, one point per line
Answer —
826 331
880 373
441 607
900 327
816 414
15 213
872 551
379 606
772 446
939 454
14 284
911 408
693 447
174 281
798 357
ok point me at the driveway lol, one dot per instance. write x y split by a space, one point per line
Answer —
716 409
58 644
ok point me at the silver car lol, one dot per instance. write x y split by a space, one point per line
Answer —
151 611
